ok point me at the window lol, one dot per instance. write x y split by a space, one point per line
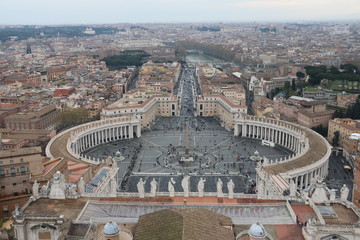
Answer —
12 170
21 160
11 161
14 184
1 163
22 169
2 171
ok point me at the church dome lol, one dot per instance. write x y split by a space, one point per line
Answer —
257 231
111 229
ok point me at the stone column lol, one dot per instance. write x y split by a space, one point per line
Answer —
236 129
20 229
131 132
301 181
139 130
306 180
86 141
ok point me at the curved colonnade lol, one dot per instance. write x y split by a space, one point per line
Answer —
71 143
311 151
308 163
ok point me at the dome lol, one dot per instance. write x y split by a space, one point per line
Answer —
257 231
111 229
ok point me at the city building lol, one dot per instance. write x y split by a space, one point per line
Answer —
34 117
345 127
16 168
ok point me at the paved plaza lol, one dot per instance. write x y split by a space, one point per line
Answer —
216 153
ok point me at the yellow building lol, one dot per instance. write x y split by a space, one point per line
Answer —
345 126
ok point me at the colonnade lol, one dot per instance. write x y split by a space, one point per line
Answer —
275 133
304 180
295 138
103 135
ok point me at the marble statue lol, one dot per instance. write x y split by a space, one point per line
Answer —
201 186
17 212
261 188
72 191
140 188
185 185
113 186
35 189
292 189
332 195
171 187
231 186
344 193
153 187
219 186
57 186
81 185
319 193
44 191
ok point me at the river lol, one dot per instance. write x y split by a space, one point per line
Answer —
202 59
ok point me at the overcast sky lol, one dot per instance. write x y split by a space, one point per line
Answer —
153 11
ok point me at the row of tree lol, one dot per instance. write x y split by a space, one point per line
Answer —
348 73
71 117
126 58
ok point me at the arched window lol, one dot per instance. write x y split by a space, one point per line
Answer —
2 171
22 169
13 170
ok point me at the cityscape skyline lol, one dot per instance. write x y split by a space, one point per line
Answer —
40 12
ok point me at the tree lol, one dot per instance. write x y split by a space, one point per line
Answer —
72 117
349 68
300 75
321 130
334 70
293 85
338 114
353 111
335 139
287 89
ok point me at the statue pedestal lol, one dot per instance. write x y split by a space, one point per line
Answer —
56 192
186 159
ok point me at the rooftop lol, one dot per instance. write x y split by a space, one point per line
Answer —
343 215
317 149
184 223
20 152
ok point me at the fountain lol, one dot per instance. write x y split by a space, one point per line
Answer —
119 157
256 157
